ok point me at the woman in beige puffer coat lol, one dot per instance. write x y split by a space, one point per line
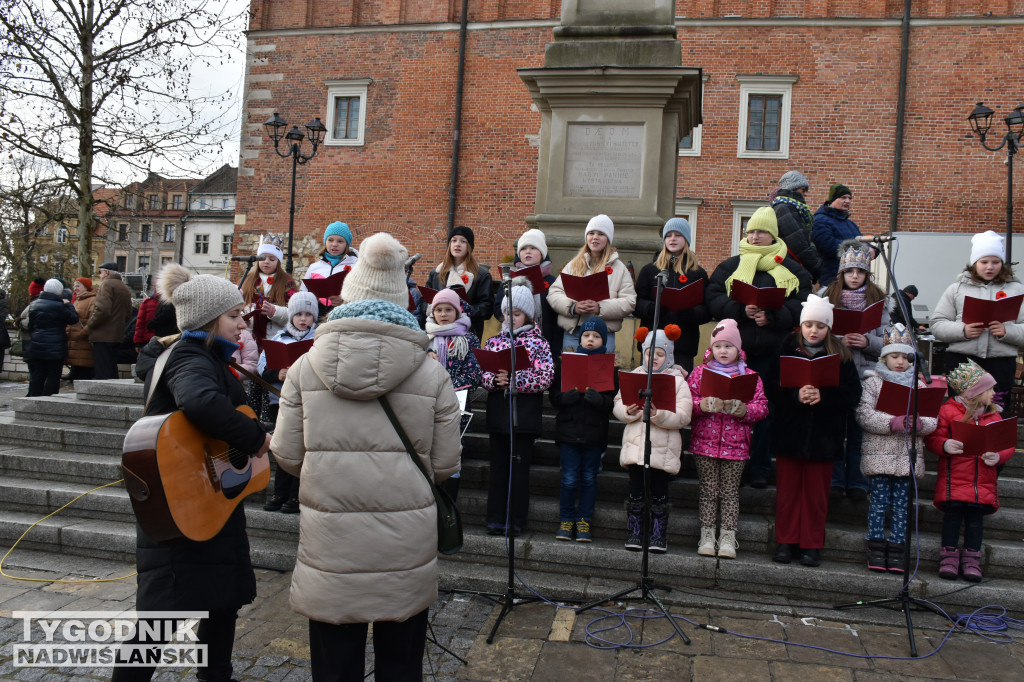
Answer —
368 530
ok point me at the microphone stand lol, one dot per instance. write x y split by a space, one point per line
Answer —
903 597
646 587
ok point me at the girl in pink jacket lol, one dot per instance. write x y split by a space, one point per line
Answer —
720 440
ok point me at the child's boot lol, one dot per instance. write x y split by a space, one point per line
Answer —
706 546
634 524
970 564
565 529
876 555
583 531
894 558
727 545
949 563
659 527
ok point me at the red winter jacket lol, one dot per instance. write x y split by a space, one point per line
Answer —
962 478
147 309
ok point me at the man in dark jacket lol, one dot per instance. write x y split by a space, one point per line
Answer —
109 317
47 321
795 221
832 226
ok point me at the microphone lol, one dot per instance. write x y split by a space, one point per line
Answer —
506 272
248 259
879 238
411 260
922 367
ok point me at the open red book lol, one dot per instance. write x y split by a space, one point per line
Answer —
590 288
675 300
897 400
762 297
532 273
857 321
1000 310
717 385
631 384
328 286
992 437
797 372
283 355
494 361
429 294
582 371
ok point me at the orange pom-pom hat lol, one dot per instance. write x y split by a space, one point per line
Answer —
660 339
673 332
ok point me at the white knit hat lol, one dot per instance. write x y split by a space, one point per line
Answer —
601 223
302 302
988 243
522 299
379 274
53 286
271 245
818 309
536 239
199 299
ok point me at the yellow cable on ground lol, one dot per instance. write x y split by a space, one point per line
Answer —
49 580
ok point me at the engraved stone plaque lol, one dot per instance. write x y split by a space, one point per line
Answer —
604 160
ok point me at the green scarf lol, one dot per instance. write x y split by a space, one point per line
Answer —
754 259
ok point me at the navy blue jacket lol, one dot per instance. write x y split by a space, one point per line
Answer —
831 228
48 318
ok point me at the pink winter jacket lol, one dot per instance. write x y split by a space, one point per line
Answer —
723 435
248 356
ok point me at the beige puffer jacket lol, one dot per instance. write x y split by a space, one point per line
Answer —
666 442
883 452
368 530
948 326
621 301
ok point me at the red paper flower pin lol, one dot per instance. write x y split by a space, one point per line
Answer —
547 284
465 279
348 268
1000 294
608 270
778 259
682 279
270 280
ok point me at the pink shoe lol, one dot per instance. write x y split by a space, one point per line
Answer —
970 564
949 563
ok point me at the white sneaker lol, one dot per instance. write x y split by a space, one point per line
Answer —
727 545
706 546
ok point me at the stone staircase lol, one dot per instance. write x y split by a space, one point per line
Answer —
54 449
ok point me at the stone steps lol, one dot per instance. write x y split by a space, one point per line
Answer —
81 412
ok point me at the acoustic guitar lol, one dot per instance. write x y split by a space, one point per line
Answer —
181 482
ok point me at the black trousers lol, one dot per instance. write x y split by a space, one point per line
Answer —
44 377
497 492
104 360
217 632
338 652
659 483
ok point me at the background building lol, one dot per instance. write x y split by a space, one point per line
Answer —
209 225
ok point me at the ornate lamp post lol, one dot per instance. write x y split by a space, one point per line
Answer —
275 128
981 121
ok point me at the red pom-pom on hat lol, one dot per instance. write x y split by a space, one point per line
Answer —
673 332
641 334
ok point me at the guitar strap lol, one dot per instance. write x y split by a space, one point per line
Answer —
158 370
255 377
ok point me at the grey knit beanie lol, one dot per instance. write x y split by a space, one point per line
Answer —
522 299
302 302
53 286
199 299
379 274
793 180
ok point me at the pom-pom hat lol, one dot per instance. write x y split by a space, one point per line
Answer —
969 379
817 309
197 299
896 338
379 274
854 254
660 339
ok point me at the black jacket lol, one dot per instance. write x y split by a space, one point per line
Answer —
810 432
549 318
797 233
688 320
183 574
579 421
480 298
757 341
48 318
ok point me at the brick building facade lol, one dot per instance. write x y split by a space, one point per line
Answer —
386 70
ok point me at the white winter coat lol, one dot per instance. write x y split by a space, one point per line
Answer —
368 531
666 441
621 301
883 452
947 320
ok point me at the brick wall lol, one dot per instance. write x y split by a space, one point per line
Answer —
843 122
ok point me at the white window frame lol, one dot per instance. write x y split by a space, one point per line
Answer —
687 208
226 242
741 209
697 132
202 240
348 88
62 235
765 85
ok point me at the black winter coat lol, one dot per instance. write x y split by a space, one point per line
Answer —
764 341
797 233
810 432
48 318
579 421
688 320
529 412
480 298
183 574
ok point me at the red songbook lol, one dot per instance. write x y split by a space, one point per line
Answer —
631 384
675 300
494 361
797 372
532 273
999 310
428 293
992 437
582 371
896 399
718 385
328 286
857 321
283 355
590 288
762 297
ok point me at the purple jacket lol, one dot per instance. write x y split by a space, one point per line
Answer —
723 435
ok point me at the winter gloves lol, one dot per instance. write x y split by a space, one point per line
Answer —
736 408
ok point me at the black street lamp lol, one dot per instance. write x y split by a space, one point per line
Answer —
981 121
275 128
